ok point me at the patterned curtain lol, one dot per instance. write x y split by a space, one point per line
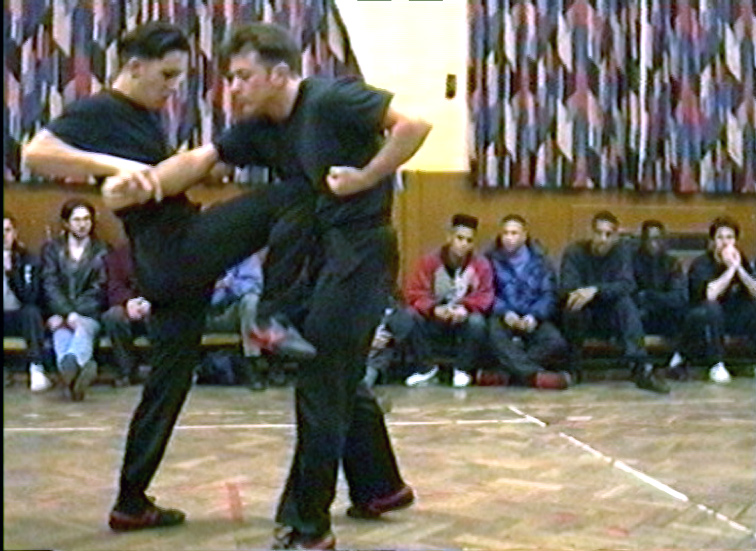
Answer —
59 50
646 95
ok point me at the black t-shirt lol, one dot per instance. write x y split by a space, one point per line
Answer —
333 123
705 269
110 123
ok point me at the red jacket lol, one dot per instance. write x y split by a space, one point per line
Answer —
434 282
121 286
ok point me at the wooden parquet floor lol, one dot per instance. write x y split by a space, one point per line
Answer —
602 466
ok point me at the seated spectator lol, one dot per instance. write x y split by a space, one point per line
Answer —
233 308
127 315
661 293
597 284
662 288
73 278
524 307
448 294
22 315
723 297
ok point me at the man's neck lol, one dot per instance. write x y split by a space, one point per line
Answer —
519 252
125 86
282 109
74 241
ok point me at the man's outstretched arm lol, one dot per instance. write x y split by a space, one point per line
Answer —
173 176
48 155
405 136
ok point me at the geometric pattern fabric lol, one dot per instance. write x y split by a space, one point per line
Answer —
60 50
643 95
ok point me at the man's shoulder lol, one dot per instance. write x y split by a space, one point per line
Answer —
100 246
326 85
480 260
703 260
25 257
96 102
329 94
54 242
429 260
576 248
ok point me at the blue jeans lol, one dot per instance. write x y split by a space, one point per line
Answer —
80 342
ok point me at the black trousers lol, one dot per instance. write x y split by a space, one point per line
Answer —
708 323
176 269
338 418
663 321
289 262
543 348
27 322
122 331
618 318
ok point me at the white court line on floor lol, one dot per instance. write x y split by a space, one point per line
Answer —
651 481
524 418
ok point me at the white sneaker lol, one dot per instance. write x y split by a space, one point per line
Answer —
418 379
719 374
461 379
677 360
39 382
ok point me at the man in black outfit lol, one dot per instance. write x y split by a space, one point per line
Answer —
661 293
22 294
178 251
320 130
179 254
597 284
723 298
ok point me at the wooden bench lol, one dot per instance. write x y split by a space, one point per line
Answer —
15 347
211 340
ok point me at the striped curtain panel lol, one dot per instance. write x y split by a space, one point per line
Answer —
59 50
644 95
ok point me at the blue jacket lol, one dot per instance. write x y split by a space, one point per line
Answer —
534 292
244 278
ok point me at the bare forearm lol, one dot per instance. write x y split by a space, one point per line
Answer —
170 177
48 155
184 170
749 282
718 286
404 140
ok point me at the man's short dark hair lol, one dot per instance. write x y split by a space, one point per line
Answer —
648 224
514 218
724 222
152 40
466 220
72 204
273 43
604 216
8 216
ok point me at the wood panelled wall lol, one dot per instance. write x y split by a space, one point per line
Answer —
37 209
423 210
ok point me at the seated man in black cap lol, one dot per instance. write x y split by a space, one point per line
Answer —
448 294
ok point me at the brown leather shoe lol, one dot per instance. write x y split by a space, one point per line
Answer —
286 537
376 507
152 517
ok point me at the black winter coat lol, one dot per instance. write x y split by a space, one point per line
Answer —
24 277
71 286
